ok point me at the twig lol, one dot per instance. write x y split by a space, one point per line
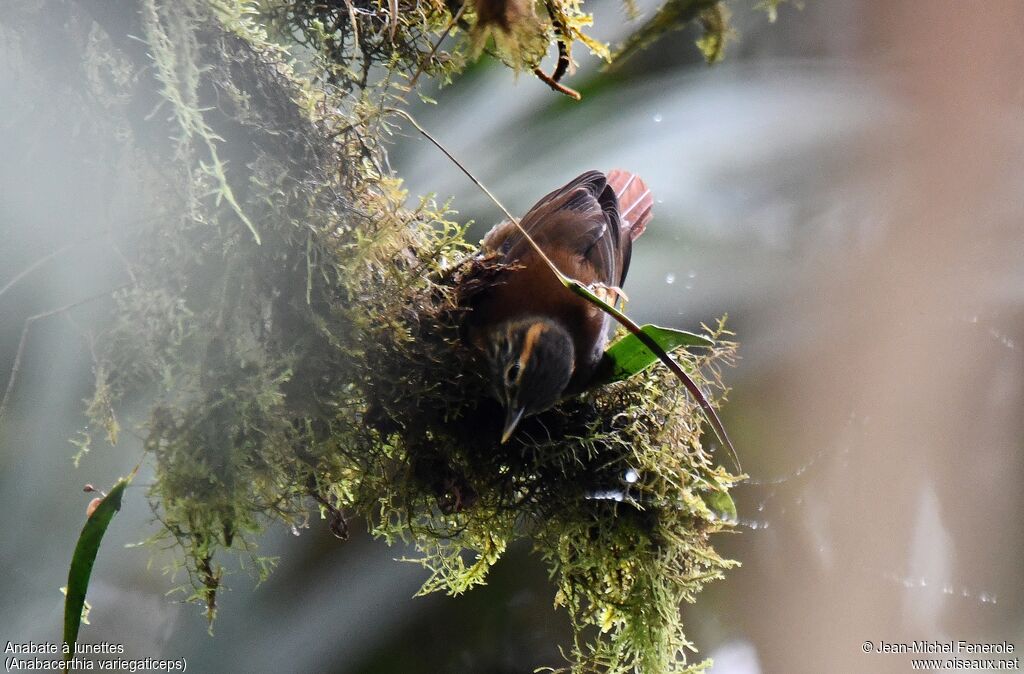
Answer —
437 45
563 57
563 47
581 290
16 367
85 239
562 66
392 19
35 265
553 83
355 27
124 259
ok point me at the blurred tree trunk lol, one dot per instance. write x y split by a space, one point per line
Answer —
909 364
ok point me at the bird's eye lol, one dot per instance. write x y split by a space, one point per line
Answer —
512 372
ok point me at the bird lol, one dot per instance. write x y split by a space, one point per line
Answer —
542 342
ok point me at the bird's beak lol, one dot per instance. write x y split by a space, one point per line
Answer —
512 417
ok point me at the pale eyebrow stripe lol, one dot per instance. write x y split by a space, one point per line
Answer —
531 340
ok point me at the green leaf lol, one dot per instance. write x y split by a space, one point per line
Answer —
83 559
722 505
629 355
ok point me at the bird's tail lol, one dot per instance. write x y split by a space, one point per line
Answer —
635 201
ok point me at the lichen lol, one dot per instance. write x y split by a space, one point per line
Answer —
293 328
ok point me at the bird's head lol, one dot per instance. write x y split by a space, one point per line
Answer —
531 362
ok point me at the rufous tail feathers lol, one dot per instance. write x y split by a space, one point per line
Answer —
635 201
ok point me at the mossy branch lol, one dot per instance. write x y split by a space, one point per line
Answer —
315 370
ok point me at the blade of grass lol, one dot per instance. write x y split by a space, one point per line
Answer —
84 557
628 356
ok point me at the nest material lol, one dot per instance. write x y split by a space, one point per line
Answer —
295 331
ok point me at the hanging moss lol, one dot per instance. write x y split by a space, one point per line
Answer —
295 329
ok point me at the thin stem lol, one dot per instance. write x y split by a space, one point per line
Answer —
562 65
84 239
16 367
437 45
553 83
36 265
537 249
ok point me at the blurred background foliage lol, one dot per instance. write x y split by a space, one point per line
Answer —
845 185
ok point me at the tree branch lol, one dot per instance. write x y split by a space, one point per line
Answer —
16 367
36 265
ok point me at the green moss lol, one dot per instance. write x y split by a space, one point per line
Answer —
294 329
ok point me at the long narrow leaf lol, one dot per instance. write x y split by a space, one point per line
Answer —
709 412
83 559
629 356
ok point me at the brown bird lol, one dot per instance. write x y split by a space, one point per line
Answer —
540 340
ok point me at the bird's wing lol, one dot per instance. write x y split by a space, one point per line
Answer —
579 219
497 237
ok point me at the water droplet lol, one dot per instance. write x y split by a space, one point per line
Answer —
657 118
632 476
947 589
760 507
987 598
692 274
670 278
688 286
295 530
